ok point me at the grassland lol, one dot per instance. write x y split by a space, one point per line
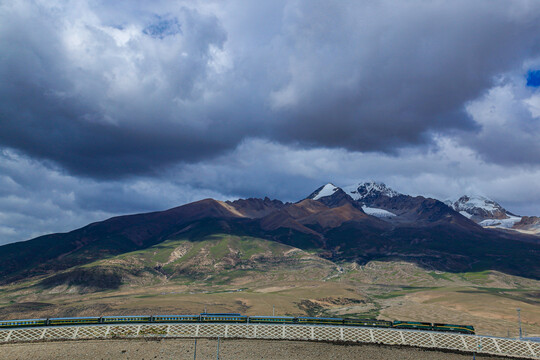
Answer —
225 273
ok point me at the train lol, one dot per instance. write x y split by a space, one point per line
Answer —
236 318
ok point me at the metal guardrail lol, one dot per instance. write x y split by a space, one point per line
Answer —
424 339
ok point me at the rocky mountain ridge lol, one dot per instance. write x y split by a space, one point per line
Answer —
377 199
368 190
330 222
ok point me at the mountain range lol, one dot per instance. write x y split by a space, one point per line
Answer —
360 223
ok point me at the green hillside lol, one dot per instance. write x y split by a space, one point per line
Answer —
211 260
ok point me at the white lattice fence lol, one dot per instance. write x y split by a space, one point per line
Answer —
187 330
449 341
70 332
390 337
489 345
89 332
28 334
297 332
123 331
512 346
328 333
535 348
268 332
153 330
212 330
4 335
468 343
241 331
356 334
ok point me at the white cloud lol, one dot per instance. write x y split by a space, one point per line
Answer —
509 126
533 103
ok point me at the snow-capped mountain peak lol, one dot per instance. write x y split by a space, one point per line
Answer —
327 190
479 208
369 189
466 202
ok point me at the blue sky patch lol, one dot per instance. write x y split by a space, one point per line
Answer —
533 78
163 27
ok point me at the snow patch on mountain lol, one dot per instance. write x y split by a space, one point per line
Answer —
501 223
380 213
327 190
367 189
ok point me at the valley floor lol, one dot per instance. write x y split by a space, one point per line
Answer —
229 349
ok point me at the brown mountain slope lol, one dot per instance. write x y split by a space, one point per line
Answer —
281 219
334 217
101 239
528 224
256 208
316 215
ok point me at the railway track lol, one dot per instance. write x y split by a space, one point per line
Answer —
330 333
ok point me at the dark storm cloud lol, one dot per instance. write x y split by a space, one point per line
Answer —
115 90
82 109
385 75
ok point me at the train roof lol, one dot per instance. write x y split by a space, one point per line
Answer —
221 314
124 316
22 320
75 318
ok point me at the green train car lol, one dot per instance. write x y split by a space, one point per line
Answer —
271 319
23 323
465 329
413 325
73 321
367 323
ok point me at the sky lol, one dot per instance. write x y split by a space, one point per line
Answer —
118 107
